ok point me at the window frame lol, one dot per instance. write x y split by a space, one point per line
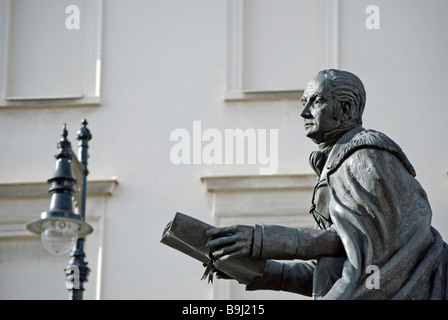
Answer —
91 94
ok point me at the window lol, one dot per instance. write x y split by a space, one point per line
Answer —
271 46
50 52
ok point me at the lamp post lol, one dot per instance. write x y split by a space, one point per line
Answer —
62 229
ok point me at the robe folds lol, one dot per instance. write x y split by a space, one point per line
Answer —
367 193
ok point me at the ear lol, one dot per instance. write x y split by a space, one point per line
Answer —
345 110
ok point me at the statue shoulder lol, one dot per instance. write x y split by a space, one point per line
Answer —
366 138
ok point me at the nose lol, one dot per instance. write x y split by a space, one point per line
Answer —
306 113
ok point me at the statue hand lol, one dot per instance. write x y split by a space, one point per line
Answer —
232 241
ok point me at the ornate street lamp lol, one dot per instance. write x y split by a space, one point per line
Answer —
61 228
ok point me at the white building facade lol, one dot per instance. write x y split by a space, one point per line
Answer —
166 87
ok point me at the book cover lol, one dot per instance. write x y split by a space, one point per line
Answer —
187 235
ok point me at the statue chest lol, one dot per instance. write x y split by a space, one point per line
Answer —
320 204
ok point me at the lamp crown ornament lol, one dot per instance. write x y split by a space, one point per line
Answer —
84 133
64 145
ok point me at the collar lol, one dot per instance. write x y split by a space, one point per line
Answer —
358 138
330 138
319 158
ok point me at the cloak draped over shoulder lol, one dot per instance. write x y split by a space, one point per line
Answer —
383 217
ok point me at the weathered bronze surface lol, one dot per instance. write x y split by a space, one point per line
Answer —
373 237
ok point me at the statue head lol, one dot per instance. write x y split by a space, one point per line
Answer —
333 103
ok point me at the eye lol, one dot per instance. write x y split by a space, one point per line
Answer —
319 100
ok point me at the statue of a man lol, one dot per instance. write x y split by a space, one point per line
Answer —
371 214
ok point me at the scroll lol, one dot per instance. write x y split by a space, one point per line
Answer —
187 234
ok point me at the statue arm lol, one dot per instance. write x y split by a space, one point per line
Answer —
296 277
278 242
268 242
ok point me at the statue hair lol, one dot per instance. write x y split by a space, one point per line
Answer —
346 87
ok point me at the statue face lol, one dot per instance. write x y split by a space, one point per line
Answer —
318 106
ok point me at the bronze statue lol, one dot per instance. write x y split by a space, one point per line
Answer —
370 212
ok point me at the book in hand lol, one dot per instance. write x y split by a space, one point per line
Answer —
187 235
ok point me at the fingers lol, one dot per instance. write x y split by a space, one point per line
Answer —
213 232
220 236
230 241
227 252
223 246
222 241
